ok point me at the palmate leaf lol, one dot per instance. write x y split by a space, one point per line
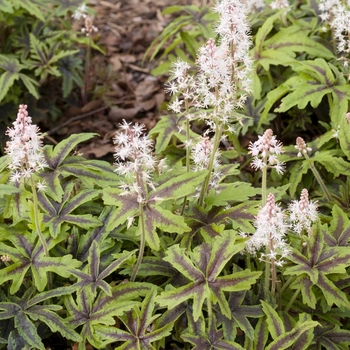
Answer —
169 126
233 192
331 337
282 338
92 277
97 234
338 233
69 67
316 80
294 39
142 329
240 314
178 187
12 67
155 216
25 309
91 173
102 311
28 256
57 214
203 269
315 269
207 339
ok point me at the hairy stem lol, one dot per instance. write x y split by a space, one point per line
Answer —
36 217
142 225
319 179
86 72
142 243
188 152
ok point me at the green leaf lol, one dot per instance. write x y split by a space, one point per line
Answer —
25 309
334 165
28 255
203 338
203 269
138 323
178 187
287 339
127 206
233 192
33 9
168 127
262 33
58 214
338 233
92 276
102 310
274 322
295 39
316 269
8 189
12 67
155 216
62 150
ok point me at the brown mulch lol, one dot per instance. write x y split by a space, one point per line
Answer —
123 87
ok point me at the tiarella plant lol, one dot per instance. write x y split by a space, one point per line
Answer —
210 235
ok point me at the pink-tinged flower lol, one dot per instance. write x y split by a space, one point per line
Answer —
24 147
266 151
301 147
134 158
271 227
303 213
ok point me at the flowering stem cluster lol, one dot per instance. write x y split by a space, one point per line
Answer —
271 227
265 152
134 160
222 81
25 152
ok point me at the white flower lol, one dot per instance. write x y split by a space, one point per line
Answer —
24 147
265 152
134 159
80 12
303 213
271 227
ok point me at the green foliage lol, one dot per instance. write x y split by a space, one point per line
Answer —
38 53
185 33
145 264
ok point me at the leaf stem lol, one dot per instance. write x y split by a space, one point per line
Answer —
292 300
36 217
142 243
216 143
188 153
319 179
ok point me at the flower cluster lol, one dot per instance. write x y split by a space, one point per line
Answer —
279 4
337 16
24 147
134 158
80 12
225 68
303 213
181 83
271 227
265 152
301 147
89 27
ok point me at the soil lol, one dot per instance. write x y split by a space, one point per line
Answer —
120 82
